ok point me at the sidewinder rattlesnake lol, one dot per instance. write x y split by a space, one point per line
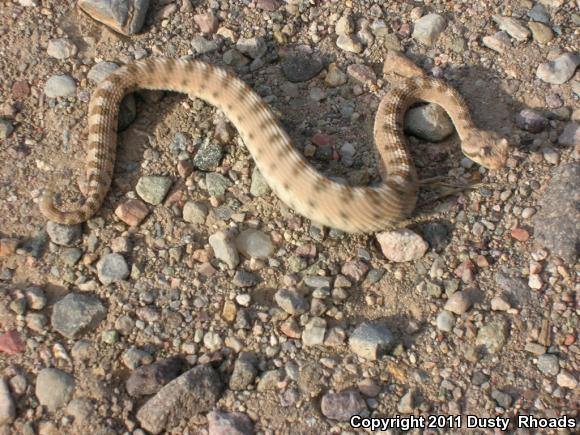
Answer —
292 179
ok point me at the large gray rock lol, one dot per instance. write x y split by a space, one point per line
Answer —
194 392
556 225
75 313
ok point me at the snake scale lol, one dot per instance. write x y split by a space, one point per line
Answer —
290 176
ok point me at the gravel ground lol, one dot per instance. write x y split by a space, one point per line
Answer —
196 302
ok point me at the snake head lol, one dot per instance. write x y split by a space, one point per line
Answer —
486 148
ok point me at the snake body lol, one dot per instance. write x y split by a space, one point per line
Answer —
290 176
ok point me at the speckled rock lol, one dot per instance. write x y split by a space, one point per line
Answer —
548 364
76 313
209 156
194 392
54 388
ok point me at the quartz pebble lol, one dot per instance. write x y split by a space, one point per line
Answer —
428 28
559 70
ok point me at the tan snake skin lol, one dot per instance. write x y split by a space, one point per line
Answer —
293 180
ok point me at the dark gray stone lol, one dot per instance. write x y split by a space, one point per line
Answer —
301 68
75 313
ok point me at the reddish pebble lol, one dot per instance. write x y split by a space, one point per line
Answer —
207 23
11 343
569 340
20 89
321 139
520 234
132 212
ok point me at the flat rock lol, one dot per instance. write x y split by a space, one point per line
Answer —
76 313
244 372
556 224
540 32
54 388
371 340
132 211
402 245
428 28
194 392
124 16
253 47
559 70
342 406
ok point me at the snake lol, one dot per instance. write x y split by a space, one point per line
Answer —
326 202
